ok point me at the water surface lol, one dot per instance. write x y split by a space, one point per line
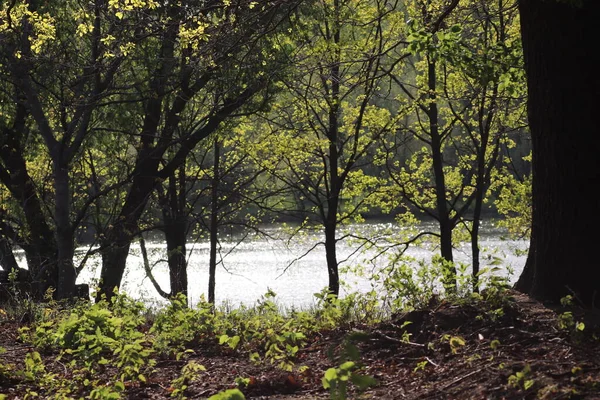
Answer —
259 263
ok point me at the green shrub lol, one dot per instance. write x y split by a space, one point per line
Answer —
177 326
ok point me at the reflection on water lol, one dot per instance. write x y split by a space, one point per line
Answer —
258 263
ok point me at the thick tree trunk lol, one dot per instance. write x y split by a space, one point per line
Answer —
559 41
175 234
176 227
40 249
119 238
114 260
64 234
8 262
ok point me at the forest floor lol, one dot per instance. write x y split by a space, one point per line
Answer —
452 352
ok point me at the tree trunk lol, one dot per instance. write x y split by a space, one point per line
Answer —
119 237
114 260
214 224
40 249
481 187
335 182
8 262
475 235
332 262
176 228
64 234
175 234
446 226
559 39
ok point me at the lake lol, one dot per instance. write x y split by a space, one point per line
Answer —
259 263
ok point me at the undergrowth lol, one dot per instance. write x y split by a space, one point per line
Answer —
121 339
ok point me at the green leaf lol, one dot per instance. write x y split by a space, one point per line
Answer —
330 375
234 341
347 366
363 381
223 339
455 28
231 394
254 357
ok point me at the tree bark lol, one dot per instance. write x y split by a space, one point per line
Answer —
559 40
8 262
214 224
331 257
445 223
176 227
175 234
64 234
335 181
40 248
119 237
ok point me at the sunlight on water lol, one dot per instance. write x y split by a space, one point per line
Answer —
250 268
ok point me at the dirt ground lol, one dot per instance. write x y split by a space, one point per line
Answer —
453 352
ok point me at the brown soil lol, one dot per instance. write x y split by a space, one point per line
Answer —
562 364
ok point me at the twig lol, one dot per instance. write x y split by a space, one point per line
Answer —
431 362
454 382
391 339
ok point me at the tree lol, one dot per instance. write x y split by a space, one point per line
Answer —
209 54
489 82
213 189
327 125
563 83
462 87
429 40
67 69
57 66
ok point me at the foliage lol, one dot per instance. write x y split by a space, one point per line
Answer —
116 335
514 203
413 284
328 108
455 342
337 379
189 373
521 379
463 90
91 337
264 332
566 320
230 394
5 368
177 326
319 138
